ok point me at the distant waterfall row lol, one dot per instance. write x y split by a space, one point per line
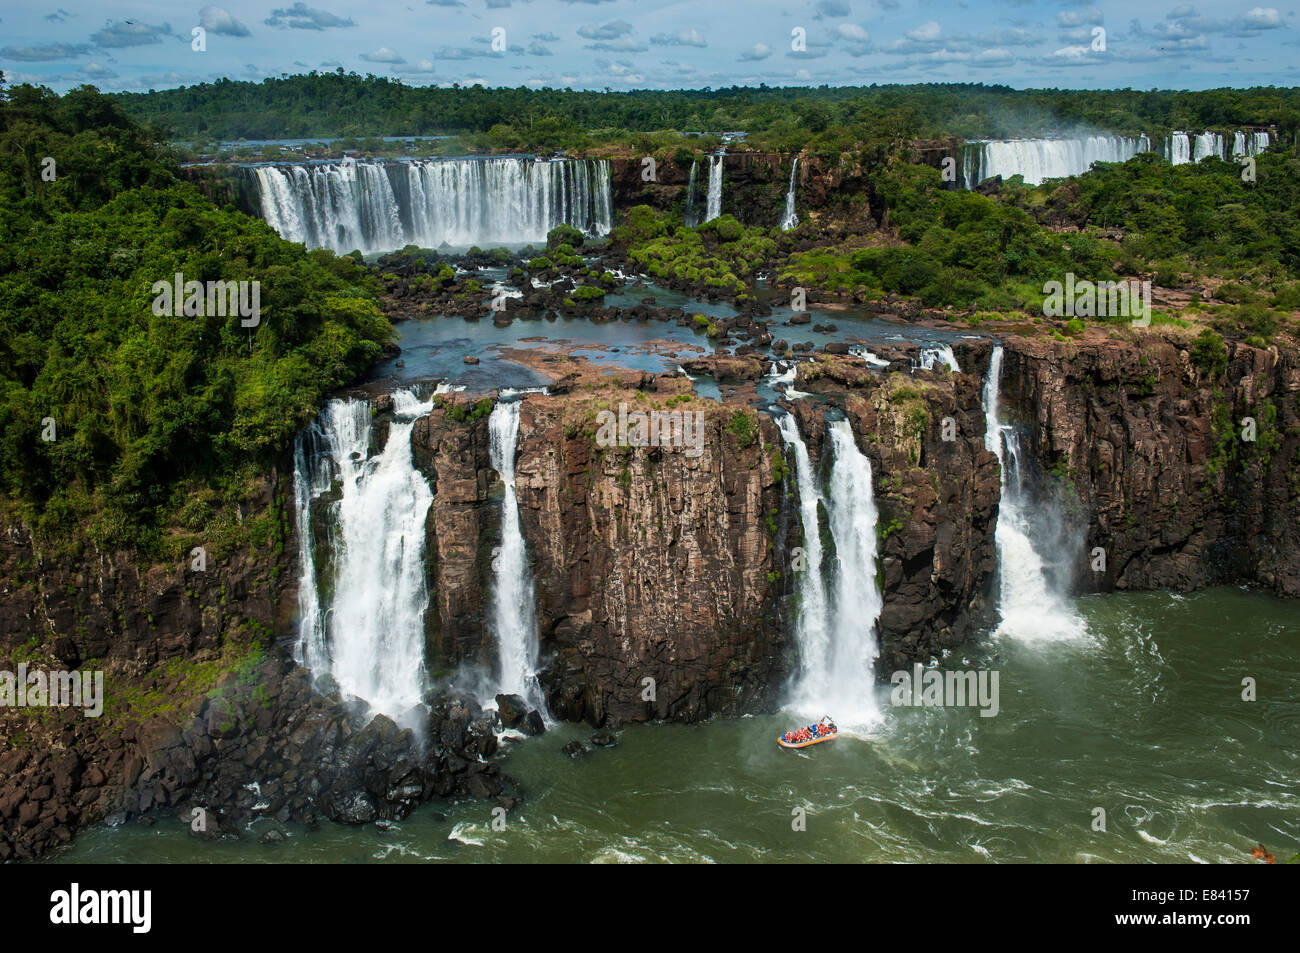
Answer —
1040 159
1184 147
381 206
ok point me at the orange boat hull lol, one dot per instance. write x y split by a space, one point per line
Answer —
805 744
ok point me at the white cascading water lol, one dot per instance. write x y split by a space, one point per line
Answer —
836 674
1040 159
941 353
1182 147
514 618
858 599
368 633
857 350
382 206
1031 610
1178 148
1207 144
790 219
690 216
713 208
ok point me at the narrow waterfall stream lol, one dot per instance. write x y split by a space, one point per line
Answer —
514 617
943 354
690 216
836 636
812 628
790 219
858 599
714 207
1030 606
362 614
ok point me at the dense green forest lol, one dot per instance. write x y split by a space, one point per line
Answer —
339 104
115 419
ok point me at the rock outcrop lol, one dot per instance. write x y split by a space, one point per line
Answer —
1152 449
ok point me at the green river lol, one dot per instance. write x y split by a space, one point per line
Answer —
1141 716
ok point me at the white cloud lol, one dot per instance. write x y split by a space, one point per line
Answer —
382 55
680 38
1090 15
217 20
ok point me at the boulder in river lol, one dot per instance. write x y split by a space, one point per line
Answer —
512 709
533 724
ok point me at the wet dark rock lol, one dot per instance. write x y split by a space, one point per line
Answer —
604 739
512 709
533 723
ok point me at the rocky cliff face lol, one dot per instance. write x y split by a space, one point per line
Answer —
199 702
754 186
1153 449
649 563
937 497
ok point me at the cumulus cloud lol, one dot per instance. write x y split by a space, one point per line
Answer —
831 8
1085 17
302 17
759 51
44 52
607 31
217 20
993 58
382 55
680 38
119 33
1260 18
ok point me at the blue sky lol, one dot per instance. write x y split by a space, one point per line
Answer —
660 44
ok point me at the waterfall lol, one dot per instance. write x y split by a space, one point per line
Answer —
1184 147
1040 159
381 206
1178 148
513 617
1030 608
364 624
690 217
836 673
941 353
858 599
714 206
790 219
1207 144
857 350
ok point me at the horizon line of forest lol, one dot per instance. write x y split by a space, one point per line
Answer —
822 119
